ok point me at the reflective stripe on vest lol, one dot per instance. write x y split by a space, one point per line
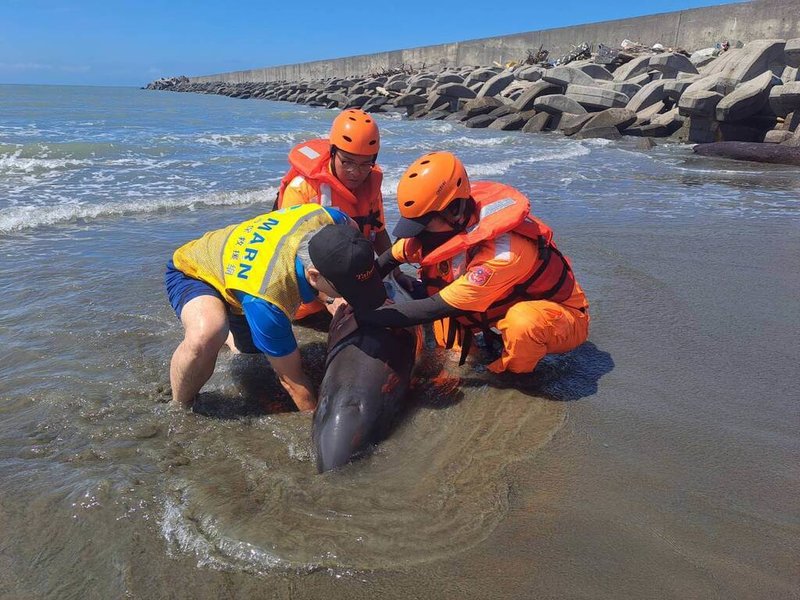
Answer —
280 247
325 195
259 255
309 152
502 210
311 160
256 257
502 247
496 206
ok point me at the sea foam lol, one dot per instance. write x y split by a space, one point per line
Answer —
21 218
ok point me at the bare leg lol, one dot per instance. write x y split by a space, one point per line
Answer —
231 343
205 322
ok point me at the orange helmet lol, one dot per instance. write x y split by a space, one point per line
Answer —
428 186
356 132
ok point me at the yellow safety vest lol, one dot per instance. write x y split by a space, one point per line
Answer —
256 257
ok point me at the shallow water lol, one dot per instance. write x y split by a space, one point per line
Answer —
658 460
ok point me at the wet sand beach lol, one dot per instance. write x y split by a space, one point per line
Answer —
659 460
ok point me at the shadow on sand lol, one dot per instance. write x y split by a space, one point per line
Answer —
562 377
254 389
558 377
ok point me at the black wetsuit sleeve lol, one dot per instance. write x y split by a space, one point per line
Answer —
387 263
406 314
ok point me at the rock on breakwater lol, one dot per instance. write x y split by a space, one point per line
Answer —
747 94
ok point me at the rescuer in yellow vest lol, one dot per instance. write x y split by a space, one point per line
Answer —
249 279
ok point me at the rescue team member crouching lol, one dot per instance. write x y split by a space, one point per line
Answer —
250 279
487 263
340 172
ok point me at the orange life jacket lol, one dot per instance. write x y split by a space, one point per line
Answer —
501 209
311 160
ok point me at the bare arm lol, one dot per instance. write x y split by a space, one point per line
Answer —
289 369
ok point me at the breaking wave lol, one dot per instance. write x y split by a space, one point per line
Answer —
391 176
256 139
21 218
18 163
501 167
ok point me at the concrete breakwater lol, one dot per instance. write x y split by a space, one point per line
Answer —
749 94
738 23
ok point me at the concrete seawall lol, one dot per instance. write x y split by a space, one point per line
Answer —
689 29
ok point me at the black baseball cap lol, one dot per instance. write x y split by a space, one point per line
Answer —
347 259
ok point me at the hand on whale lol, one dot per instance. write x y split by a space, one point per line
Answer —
367 376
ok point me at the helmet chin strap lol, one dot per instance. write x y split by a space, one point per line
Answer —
459 220
333 161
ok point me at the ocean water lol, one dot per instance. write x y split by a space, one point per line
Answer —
658 460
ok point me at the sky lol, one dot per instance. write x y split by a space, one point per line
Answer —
124 42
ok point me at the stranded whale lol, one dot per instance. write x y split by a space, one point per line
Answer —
367 376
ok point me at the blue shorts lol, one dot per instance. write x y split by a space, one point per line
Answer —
181 288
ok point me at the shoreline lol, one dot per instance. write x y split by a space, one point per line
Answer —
748 94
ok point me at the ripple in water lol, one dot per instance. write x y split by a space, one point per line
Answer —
249 498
